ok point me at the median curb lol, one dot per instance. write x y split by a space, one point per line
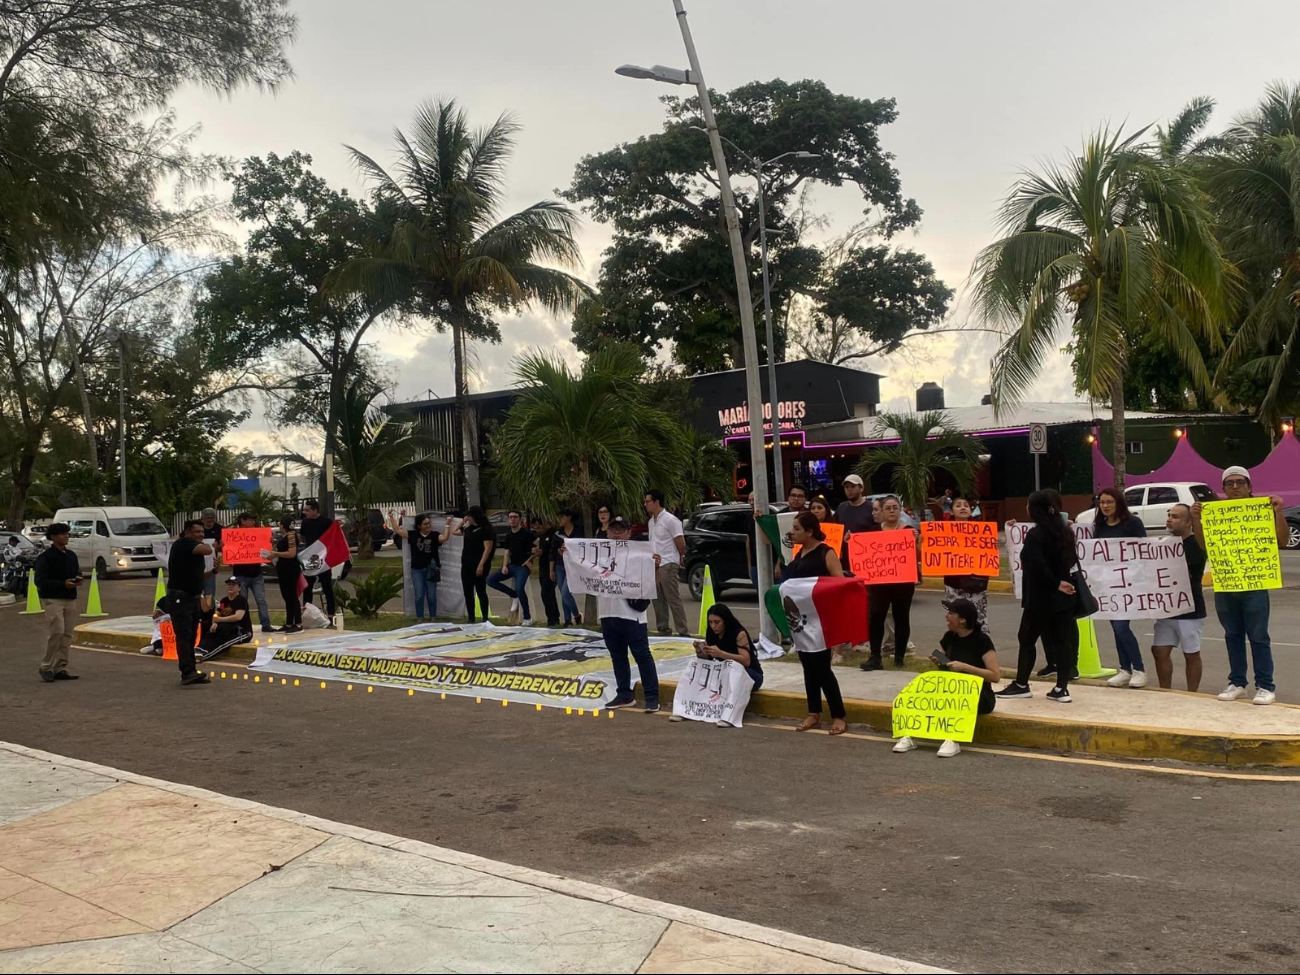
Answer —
1060 734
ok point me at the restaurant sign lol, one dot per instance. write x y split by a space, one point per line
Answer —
735 420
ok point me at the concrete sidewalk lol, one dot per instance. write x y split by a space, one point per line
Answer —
105 871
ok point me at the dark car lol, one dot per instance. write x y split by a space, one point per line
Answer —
379 530
1293 525
715 537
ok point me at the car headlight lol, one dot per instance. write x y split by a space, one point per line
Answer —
119 551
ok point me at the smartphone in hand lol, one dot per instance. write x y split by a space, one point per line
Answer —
941 659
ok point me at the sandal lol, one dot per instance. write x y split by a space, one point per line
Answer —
838 727
810 723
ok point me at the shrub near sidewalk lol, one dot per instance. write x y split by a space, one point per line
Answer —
369 596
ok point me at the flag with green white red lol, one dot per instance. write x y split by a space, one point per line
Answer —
777 529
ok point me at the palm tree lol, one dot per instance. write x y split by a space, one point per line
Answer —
441 245
381 454
265 506
585 436
1116 243
710 468
1255 183
927 442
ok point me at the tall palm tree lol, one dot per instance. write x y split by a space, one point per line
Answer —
586 436
382 454
1255 183
1116 243
440 243
927 442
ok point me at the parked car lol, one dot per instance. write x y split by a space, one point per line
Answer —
113 540
1293 525
35 533
1151 502
715 537
379 530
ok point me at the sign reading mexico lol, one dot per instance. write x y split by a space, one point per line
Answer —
1241 541
938 705
877 557
960 548
605 567
244 546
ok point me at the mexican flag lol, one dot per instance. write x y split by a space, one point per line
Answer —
777 529
825 611
325 553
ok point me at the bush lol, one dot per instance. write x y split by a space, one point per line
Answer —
368 596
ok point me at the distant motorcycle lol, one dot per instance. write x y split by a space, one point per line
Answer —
14 575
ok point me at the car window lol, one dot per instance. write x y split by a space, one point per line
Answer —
1203 492
709 522
101 529
1134 496
1163 495
732 521
141 525
80 529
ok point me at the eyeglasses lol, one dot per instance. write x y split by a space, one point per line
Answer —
1235 483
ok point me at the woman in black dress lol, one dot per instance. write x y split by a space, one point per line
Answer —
287 571
475 559
816 558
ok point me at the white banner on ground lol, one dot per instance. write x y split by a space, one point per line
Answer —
604 567
713 691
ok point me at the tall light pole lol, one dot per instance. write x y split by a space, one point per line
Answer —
753 386
757 165
119 338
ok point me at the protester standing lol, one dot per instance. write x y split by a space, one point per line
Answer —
252 579
822 509
57 576
1114 520
973 588
547 552
1047 600
816 558
590 610
212 535
314 527
890 598
669 545
1183 631
426 566
1245 615
185 586
797 498
288 572
475 558
624 626
568 529
854 514
515 565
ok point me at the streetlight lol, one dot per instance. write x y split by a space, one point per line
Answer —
753 387
757 166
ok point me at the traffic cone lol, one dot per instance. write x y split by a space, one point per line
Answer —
33 600
159 590
1089 653
707 599
93 609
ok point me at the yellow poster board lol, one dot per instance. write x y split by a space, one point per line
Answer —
939 705
1241 541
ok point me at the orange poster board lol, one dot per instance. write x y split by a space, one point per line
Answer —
243 546
834 533
960 548
885 556
169 639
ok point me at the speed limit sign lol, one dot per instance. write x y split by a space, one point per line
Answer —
1038 438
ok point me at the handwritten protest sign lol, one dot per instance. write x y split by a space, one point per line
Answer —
1241 542
834 533
713 691
605 567
1137 578
938 705
243 546
1016 533
960 548
880 557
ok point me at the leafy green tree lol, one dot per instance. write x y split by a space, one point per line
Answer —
1117 243
265 506
927 442
667 276
438 240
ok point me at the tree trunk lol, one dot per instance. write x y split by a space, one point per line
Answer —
365 543
460 414
22 485
1119 439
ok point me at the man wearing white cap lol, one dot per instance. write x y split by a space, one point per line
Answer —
1244 615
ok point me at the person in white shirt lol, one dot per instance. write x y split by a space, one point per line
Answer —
669 542
624 627
12 550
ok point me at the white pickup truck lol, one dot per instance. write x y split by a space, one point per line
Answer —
1151 502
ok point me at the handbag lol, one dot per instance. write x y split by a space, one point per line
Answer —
433 573
1085 603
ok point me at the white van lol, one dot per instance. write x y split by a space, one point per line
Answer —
114 540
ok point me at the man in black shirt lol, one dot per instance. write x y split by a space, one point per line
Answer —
185 581
1183 631
548 554
252 580
212 536
514 565
232 623
314 526
57 576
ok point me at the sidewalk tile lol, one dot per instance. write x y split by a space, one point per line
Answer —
349 906
33 914
148 954
32 786
149 855
685 950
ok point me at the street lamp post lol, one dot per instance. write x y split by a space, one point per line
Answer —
753 386
119 339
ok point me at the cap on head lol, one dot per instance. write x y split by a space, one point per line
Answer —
232 581
1237 472
965 610
853 479
209 512
618 521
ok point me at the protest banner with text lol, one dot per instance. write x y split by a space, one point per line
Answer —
939 705
1016 533
1137 578
881 557
605 567
244 546
1241 541
960 548
713 691
834 533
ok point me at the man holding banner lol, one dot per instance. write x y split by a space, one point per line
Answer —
1242 536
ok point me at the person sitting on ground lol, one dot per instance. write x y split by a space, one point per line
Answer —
231 623
726 639
964 649
1183 631
160 616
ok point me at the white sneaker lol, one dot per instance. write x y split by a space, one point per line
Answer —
1122 679
1264 697
1139 679
676 717
1232 692
948 749
514 605
724 724
526 622
904 745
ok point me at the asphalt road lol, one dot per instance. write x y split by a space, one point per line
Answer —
989 862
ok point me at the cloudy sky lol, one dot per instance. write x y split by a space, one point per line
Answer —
982 89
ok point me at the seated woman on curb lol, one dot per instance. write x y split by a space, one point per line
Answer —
727 639
966 649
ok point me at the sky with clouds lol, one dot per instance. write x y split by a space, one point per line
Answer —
982 90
